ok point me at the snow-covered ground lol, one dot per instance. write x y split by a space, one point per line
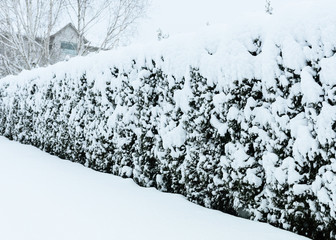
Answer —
43 197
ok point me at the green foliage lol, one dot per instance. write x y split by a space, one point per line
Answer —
230 148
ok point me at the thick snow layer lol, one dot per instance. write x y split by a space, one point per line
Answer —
46 198
225 48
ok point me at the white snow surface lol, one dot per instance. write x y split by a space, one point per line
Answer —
221 52
46 198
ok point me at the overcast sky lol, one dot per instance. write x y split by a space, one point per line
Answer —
184 16
177 16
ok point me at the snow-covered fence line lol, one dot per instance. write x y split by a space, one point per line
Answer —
244 122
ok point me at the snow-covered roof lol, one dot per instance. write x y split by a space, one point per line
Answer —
69 25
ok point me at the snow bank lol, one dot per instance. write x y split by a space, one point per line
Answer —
43 197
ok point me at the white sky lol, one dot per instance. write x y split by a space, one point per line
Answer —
183 16
177 16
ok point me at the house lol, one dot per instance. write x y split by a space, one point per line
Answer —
19 51
64 44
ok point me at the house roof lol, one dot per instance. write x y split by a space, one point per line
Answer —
66 26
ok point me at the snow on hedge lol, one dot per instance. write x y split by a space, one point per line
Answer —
238 118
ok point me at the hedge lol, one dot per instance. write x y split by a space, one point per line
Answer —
252 135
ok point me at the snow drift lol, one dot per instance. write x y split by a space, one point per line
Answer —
43 198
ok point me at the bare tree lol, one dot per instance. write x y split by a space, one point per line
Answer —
116 16
54 10
268 7
161 35
25 28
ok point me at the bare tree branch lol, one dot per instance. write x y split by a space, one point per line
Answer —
118 15
25 30
26 27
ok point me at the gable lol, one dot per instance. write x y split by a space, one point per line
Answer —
68 33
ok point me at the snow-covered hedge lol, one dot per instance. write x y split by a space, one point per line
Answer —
243 121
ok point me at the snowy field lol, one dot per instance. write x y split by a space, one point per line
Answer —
44 198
